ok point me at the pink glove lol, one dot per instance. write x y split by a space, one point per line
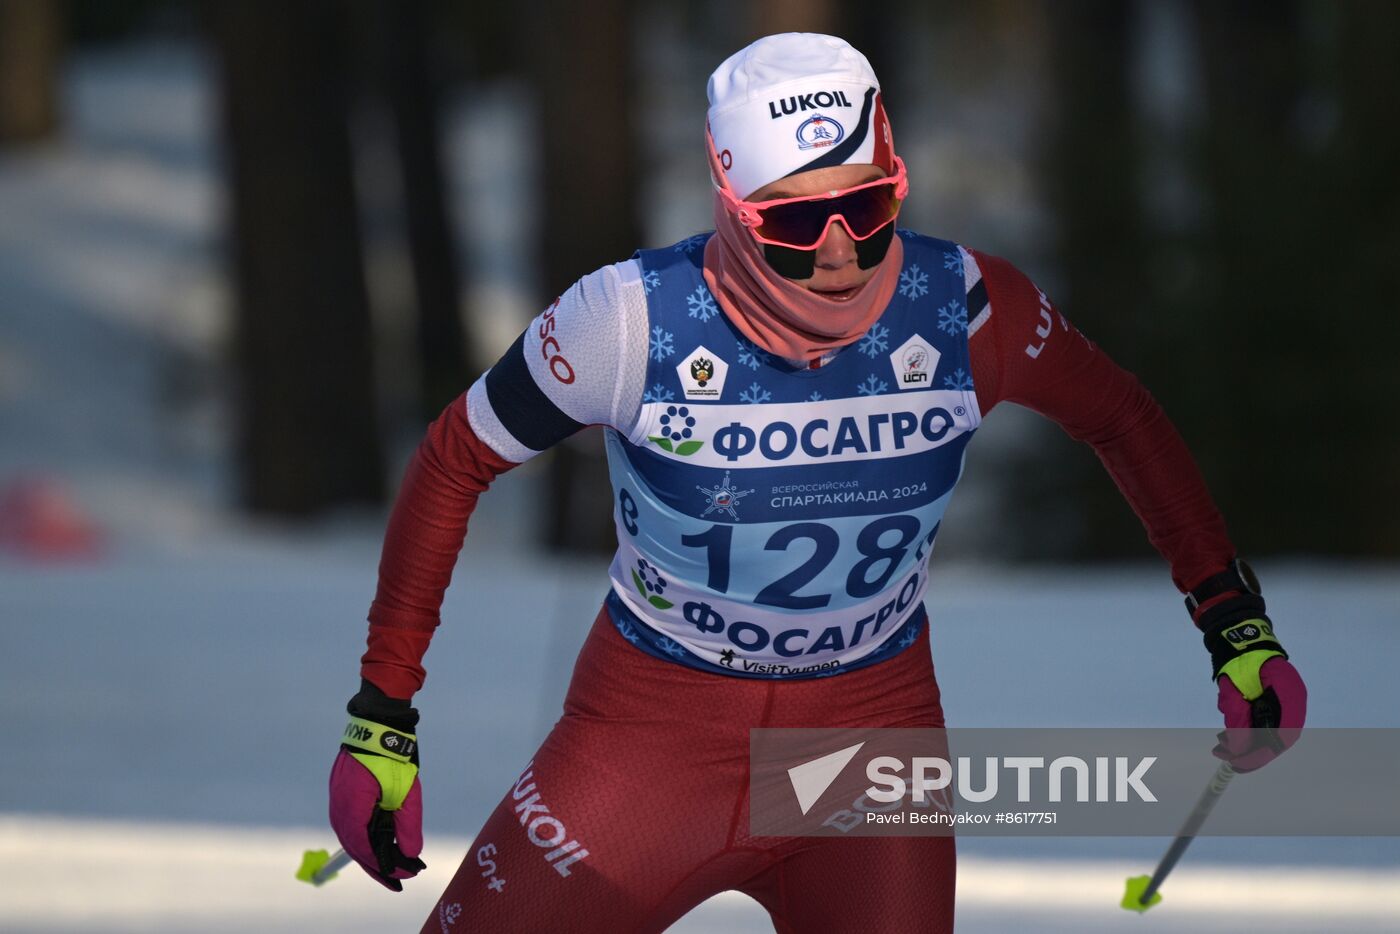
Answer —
376 799
1276 715
1261 694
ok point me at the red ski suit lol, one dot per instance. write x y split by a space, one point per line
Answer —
634 809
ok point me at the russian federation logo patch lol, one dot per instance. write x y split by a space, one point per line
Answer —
702 375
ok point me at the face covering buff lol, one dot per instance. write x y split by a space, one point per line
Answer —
776 313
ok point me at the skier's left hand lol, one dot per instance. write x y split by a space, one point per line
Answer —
1265 703
1261 694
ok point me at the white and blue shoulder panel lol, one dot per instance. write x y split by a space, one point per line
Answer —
582 361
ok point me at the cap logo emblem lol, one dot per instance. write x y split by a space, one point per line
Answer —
818 132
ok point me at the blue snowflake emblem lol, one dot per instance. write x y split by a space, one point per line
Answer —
658 393
952 317
913 282
815 397
911 635
872 386
651 280
750 355
662 345
953 262
755 394
702 304
670 647
958 380
627 632
723 498
875 341
689 244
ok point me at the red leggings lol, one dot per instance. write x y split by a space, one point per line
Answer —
635 809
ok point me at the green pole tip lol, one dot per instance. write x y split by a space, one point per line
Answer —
311 863
1132 898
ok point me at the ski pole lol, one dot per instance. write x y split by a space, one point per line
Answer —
319 867
1141 891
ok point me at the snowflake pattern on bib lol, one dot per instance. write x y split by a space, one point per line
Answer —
702 303
913 283
662 343
876 340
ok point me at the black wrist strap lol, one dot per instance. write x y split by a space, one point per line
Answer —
1238 577
373 704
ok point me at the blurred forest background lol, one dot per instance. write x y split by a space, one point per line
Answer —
248 250
1208 189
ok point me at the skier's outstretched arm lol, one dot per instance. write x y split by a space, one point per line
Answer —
1024 351
573 366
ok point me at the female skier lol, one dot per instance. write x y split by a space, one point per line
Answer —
786 405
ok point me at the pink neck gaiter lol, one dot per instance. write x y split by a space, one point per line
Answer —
779 315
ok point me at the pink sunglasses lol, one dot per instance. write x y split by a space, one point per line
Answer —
802 223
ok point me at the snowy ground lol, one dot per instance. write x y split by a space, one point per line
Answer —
194 697
172 707
140 877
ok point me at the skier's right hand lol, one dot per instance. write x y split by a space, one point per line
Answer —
376 800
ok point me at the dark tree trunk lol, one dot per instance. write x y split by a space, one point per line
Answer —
412 89
775 16
1091 162
1298 162
1365 206
1258 200
31 39
583 71
583 76
309 425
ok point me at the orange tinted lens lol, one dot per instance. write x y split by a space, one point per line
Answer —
800 223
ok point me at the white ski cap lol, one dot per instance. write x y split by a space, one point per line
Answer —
793 102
